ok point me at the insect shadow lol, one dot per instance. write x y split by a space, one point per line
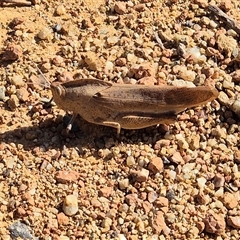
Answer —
51 134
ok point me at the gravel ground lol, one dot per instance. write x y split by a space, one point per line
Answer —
177 181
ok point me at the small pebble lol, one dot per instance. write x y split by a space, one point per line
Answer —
130 161
219 180
187 75
106 224
10 163
237 157
236 76
20 230
45 34
60 10
65 77
67 176
22 94
234 221
230 200
70 205
152 196
155 165
223 98
121 237
64 238
13 102
182 83
147 81
215 223
228 84
177 158
17 80
58 61
120 7
121 62
201 182
142 175
226 44
108 67
62 219
123 184
2 93
112 40
12 53
94 62
236 107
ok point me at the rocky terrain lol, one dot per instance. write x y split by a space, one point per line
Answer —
176 181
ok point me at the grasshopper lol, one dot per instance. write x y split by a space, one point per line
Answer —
125 105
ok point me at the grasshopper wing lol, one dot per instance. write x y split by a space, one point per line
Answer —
157 99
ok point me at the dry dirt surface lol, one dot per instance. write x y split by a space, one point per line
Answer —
176 181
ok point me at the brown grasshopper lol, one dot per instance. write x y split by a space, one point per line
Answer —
125 105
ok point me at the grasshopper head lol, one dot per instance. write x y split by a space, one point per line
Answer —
58 92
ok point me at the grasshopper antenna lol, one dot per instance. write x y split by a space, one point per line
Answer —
42 75
69 126
45 79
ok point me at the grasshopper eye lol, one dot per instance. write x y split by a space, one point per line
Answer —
59 90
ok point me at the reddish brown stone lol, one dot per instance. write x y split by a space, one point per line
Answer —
131 199
234 221
200 226
229 200
67 176
177 158
155 165
159 222
236 76
20 212
147 81
147 206
218 180
105 192
29 198
139 7
22 94
214 223
65 77
141 175
12 53
142 70
121 62
201 198
62 219
161 202
95 203
120 7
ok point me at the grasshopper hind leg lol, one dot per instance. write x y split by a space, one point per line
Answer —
147 120
114 125
135 121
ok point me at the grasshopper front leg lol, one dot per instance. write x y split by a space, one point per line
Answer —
69 126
